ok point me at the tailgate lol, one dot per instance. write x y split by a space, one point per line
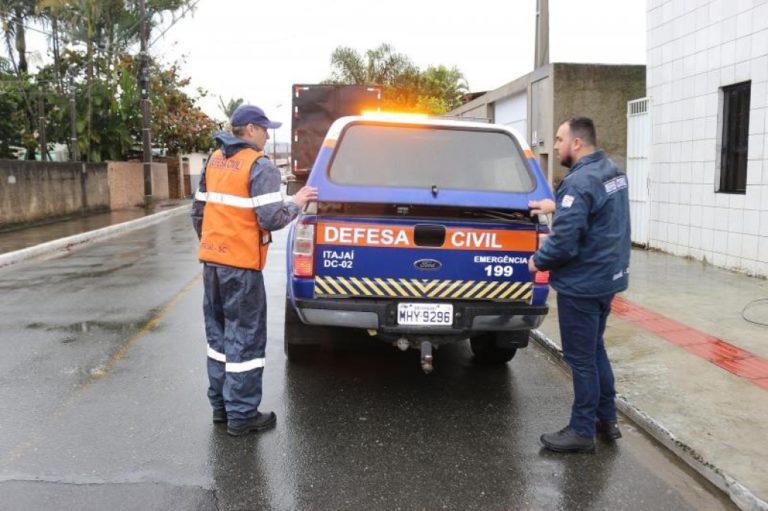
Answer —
383 258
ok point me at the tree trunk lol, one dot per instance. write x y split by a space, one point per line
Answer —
89 79
21 41
89 100
28 116
56 53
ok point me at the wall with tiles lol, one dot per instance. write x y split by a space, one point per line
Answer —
695 47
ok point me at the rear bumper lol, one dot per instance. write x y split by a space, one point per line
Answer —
468 317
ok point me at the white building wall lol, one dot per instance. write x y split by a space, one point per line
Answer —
513 111
695 47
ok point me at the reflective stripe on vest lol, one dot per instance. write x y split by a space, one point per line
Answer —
231 232
239 202
235 367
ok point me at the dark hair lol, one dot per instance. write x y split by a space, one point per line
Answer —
238 131
583 128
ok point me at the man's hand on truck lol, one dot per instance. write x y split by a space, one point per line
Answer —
306 194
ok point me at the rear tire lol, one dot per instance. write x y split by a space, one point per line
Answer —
487 349
303 342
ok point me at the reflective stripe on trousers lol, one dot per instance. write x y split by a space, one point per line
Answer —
235 367
235 312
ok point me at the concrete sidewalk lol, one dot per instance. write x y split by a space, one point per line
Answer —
28 236
44 240
690 369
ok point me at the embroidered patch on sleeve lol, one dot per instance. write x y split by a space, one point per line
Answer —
614 185
567 201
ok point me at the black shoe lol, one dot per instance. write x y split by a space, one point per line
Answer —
219 416
609 430
566 440
261 422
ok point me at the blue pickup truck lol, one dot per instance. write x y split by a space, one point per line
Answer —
421 235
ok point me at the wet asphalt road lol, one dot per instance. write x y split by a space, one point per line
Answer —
102 392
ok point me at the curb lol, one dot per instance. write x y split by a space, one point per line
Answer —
71 243
738 493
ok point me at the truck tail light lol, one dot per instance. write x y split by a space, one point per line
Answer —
541 277
304 250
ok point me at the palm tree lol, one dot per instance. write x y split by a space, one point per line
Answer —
379 66
406 87
14 15
447 84
229 107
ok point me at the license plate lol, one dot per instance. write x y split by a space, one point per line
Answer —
425 314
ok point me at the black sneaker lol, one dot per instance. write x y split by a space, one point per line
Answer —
609 430
219 416
566 440
261 422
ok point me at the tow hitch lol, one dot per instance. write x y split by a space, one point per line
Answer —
426 357
403 344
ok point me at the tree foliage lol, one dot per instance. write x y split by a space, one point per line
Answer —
89 54
228 108
11 113
435 90
178 125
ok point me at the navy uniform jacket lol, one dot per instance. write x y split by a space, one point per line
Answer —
588 251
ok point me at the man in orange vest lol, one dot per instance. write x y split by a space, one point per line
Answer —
237 204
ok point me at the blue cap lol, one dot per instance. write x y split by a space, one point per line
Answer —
250 114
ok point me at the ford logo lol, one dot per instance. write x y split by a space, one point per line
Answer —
428 264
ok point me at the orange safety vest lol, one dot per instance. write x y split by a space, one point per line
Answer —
231 232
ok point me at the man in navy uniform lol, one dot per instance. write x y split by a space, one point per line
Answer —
587 255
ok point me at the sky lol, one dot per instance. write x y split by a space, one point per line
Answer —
257 50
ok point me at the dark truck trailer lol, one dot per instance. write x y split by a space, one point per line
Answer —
315 107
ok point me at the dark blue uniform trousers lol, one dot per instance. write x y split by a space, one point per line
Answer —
235 311
582 324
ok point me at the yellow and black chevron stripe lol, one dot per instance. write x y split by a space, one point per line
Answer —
416 288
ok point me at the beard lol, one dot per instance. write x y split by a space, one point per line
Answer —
566 161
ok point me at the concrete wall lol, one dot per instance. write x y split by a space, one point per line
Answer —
31 191
126 183
557 91
175 178
540 136
483 107
475 110
600 92
695 49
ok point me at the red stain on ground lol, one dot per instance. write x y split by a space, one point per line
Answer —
721 353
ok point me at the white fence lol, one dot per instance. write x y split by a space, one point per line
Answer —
638 166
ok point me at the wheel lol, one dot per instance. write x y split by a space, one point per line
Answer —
486 349
301 341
